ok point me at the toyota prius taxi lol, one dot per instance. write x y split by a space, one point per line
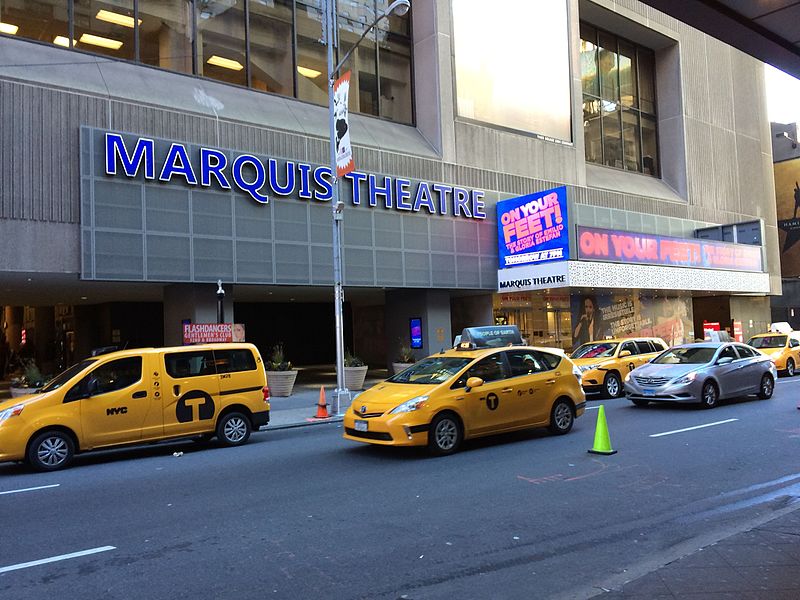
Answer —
489 384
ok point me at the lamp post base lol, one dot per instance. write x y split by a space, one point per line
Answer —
341 401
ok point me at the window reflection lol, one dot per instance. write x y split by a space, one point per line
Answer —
105 28
362 63
618 102
271 60
312 60
395 57
165 34
220 41
43 20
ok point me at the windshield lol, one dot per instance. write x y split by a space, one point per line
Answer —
65 376
433 370
772 341
595 350
695 355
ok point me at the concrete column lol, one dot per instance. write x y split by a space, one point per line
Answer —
195 301
431 306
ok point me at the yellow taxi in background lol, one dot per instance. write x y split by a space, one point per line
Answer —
782 348
135 396
605 363
482 387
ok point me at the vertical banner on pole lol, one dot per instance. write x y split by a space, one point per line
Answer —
344 152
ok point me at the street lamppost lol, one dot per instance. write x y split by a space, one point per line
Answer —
398 7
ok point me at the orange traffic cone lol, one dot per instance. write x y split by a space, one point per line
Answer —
322 406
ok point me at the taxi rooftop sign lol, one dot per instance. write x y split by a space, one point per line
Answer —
258 178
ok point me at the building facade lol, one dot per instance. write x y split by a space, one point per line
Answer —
151 148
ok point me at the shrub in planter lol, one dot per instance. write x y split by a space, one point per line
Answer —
405 358
280 374
355 371
30 381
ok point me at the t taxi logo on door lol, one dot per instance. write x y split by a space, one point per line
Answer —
211 167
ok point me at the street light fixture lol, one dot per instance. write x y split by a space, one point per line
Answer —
400 8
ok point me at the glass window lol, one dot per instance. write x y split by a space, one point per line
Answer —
630 347
63 377
728 352
793 343
110 377
612 135
312 59
595 350
512 65
234 361
362 64
647 78
433 371
165 34
190 364
221 41
271 57
105 27
609 72
589 79
628 94
644 347
649 146
694 355
43 20
491 368
395 79
592 130
524 362
745 352
631 140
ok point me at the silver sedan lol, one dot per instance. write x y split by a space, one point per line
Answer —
703 373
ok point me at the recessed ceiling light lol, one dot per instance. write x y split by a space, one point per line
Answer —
8 28
310 73
84 297
61 40
96 40
225 63
29 279
116 18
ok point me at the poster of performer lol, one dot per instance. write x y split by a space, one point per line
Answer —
344 152
787 195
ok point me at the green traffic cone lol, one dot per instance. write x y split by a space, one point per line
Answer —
602 443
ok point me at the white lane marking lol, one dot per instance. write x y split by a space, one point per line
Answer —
44 561
31 489
655 435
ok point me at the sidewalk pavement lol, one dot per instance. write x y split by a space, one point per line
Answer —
299 409
760 564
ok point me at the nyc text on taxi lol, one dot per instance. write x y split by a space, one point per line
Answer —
135 396
469 392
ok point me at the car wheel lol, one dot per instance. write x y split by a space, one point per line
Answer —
51 450
233 429
790 369
562 417
640 403
445 434
709 395
612 385
766 388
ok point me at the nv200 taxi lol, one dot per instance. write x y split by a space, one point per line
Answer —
474 390
134 396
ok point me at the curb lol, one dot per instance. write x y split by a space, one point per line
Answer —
305 424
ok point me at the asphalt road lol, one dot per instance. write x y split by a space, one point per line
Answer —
302 513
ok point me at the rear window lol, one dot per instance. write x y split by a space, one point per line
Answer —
190 364
645 347
234 361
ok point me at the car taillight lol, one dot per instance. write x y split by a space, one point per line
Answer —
265 391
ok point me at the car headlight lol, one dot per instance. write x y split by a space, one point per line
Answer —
577 372
409 405
628 376
11 412
688 378
588 367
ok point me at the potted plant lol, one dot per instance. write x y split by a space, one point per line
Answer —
355 371
405 358
30 381
280 374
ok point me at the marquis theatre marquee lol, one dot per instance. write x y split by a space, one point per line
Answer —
533 241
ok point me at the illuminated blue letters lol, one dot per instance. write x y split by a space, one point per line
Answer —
324 183
251 187
281 190
213 162
305 184
461 202
423 198
356 178
402 194
115 147
177 154
375 190
442 190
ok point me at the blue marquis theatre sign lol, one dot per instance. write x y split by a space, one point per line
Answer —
533 241
210 167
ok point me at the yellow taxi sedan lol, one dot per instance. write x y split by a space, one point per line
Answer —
605 363
466 393
782 348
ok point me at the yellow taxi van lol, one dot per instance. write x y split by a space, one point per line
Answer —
604 363
138 395
782 348
489 384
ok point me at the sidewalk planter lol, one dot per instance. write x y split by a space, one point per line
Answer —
354 377
16 392
397 367
281 383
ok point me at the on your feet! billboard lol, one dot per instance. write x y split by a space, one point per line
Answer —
533 241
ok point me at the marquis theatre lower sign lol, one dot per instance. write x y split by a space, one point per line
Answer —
533 229
647 249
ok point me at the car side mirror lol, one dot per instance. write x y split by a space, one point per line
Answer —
474 382
624 353
725 360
